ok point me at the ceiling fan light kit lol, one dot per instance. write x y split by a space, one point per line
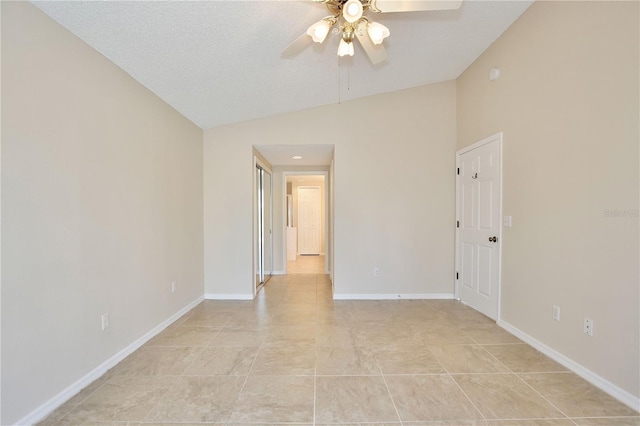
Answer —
350 17
377 32
320 29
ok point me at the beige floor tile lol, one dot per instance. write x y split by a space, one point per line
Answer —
537 422
430 397
66 422
286 359
240 336
505 396
448 423
185 336
491 334
398 335
207 319
467 359
306 265
299 347
273 399
346 360
291 334
407 360
349 399
198 399
292 318
123 398
364 424
336 335
222 360
81 396
608 421
293 296
248 319
523 358
157 360
444 333
575 396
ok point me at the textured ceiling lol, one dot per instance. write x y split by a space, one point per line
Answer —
218 62
282 155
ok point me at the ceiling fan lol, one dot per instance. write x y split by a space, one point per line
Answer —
348 17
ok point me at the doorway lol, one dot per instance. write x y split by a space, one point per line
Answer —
478 225
307 212
263 225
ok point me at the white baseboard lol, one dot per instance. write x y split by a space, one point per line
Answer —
620 394
421 296
278 273
48 407
230 296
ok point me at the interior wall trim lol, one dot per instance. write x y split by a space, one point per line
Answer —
603 384
392 296
228 296
48 407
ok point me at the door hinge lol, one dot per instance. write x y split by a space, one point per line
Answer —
457 224
456 275
458 170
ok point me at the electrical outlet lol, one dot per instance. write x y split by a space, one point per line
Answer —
173 286
588 327
376 272
556 312
105 321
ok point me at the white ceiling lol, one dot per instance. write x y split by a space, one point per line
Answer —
218 62
282 155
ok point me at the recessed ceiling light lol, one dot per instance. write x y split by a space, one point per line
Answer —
297 157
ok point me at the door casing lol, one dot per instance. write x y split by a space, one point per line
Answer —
497 139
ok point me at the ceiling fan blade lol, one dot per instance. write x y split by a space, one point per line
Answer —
376 52
297 46
385 6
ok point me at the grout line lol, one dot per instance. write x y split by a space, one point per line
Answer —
541 395
391 396
527 384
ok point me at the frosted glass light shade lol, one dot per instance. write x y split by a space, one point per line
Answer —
345 48
319 30
377 32
352 11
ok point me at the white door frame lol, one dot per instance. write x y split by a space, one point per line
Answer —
497 137
327 246
257 163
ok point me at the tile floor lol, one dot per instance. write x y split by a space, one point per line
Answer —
295 356
306 265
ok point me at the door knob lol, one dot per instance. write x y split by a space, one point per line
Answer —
493 239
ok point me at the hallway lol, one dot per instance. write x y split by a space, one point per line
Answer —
306 265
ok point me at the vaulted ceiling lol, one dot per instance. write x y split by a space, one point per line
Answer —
218 62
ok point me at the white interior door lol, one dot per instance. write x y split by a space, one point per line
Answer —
309 217
479 238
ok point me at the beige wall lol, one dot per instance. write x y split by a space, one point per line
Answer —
567 102
101 210
381 143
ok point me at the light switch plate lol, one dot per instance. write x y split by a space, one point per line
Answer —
506 221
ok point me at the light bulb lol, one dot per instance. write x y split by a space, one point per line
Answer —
352 11
319 30
377 32
345 48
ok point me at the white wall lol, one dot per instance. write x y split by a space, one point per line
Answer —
381 143
567 102
101 210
